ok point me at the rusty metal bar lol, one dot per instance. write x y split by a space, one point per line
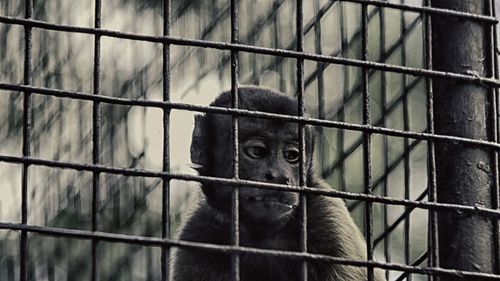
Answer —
299 26
158 242
165 220
235 201
96 148
253 49
27 116
367 170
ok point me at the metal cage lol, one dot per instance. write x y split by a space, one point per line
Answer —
474 91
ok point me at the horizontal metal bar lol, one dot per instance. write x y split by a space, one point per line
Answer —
252 49
418 261
387 111
479 210
381 179
248 113
163 242
426 10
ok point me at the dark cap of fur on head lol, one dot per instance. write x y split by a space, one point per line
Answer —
259 99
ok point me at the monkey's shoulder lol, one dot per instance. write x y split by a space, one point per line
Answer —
190 264
205 225
333 232
326 209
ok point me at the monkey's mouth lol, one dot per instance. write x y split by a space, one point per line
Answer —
271 200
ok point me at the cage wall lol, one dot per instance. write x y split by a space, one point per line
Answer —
99 100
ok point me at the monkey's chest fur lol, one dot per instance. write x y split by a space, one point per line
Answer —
268 267
204 227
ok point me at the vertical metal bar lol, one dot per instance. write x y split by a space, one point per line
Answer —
27 115
367 141
493 46
200 51
96 151
302 143
433 246
464 173
117 198
235 219
252 41
321 83
165 218
345 53
406 127
383 89
277 44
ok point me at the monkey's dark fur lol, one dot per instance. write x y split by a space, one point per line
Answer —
268 219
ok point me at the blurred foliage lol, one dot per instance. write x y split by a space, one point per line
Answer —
131 136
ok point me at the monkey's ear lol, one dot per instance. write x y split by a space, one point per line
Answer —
199 143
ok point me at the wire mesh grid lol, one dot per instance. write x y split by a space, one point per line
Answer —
375 186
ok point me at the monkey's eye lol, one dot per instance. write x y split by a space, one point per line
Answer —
291 154
255 149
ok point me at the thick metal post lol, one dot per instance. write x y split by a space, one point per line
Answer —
464 172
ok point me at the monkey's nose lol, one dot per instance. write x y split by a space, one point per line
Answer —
277 178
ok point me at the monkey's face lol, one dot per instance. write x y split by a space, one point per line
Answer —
268 152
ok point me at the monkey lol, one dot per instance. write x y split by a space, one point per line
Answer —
269 219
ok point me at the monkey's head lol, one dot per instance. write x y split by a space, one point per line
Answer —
268 152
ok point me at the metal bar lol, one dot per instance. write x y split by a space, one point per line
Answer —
495 194
432 244
426 10
367 142
418 261
250 113
27 116
159 242
307 27
96 151
320 78
383 89
302 135
397 221
464 174
478 210
388 110
235 214
407 167
165 220
344 44
391 50
277 44
377 182
254 32
254 49
222 14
